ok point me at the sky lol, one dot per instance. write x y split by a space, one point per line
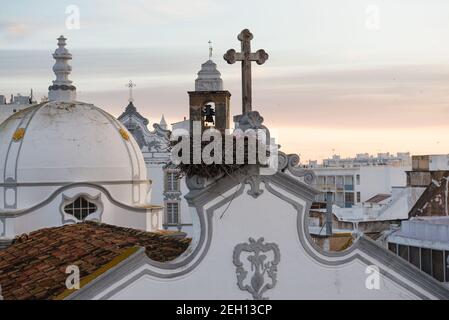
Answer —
344 77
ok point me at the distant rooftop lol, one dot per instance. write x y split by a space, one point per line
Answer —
364 159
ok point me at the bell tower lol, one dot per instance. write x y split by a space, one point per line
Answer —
209 103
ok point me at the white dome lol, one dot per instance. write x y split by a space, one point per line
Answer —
67 142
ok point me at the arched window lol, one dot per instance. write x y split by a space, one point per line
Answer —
80 208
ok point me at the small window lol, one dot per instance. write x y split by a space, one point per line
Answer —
438 265
414 257
172 181
426 261
357 178
392 247
403 251
358 197
80 208
172 212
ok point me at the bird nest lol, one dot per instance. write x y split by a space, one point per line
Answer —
223 167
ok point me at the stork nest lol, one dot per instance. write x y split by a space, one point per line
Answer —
215 170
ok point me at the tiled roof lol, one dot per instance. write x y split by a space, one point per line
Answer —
34 266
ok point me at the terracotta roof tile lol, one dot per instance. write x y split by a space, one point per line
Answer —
33 267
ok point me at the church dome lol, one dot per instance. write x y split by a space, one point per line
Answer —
66 142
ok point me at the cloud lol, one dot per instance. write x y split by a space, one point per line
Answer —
14 31
376 97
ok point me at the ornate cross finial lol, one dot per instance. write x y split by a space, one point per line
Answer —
130 85
210 49
246 56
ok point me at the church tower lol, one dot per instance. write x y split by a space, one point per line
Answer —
209 103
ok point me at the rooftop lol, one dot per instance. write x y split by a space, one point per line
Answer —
378 198
34 266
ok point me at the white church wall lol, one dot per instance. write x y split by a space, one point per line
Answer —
303 272
29 196
50 213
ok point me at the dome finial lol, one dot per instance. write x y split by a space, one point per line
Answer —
62 88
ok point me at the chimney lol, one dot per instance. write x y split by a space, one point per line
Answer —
328 213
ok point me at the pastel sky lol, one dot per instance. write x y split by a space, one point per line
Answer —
344 77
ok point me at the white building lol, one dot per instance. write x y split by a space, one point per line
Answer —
365 159
16 103
68 161
424 242
355 185
433 162
167 186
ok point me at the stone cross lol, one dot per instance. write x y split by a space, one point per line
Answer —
130 85
246 56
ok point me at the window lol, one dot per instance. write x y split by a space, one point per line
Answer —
349 183
392 247
172 181
403 251
80 208
349 180
358 197
349 199
320 180
438 265
426 261
357 179
414 257
446 264
172 211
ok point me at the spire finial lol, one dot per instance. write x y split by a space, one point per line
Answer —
210 50
62 88
163 123
130 85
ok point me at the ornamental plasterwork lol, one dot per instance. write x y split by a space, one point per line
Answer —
256 266
156 141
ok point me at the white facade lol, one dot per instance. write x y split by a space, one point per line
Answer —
167 187
396 207
239 240
439 162
357 184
